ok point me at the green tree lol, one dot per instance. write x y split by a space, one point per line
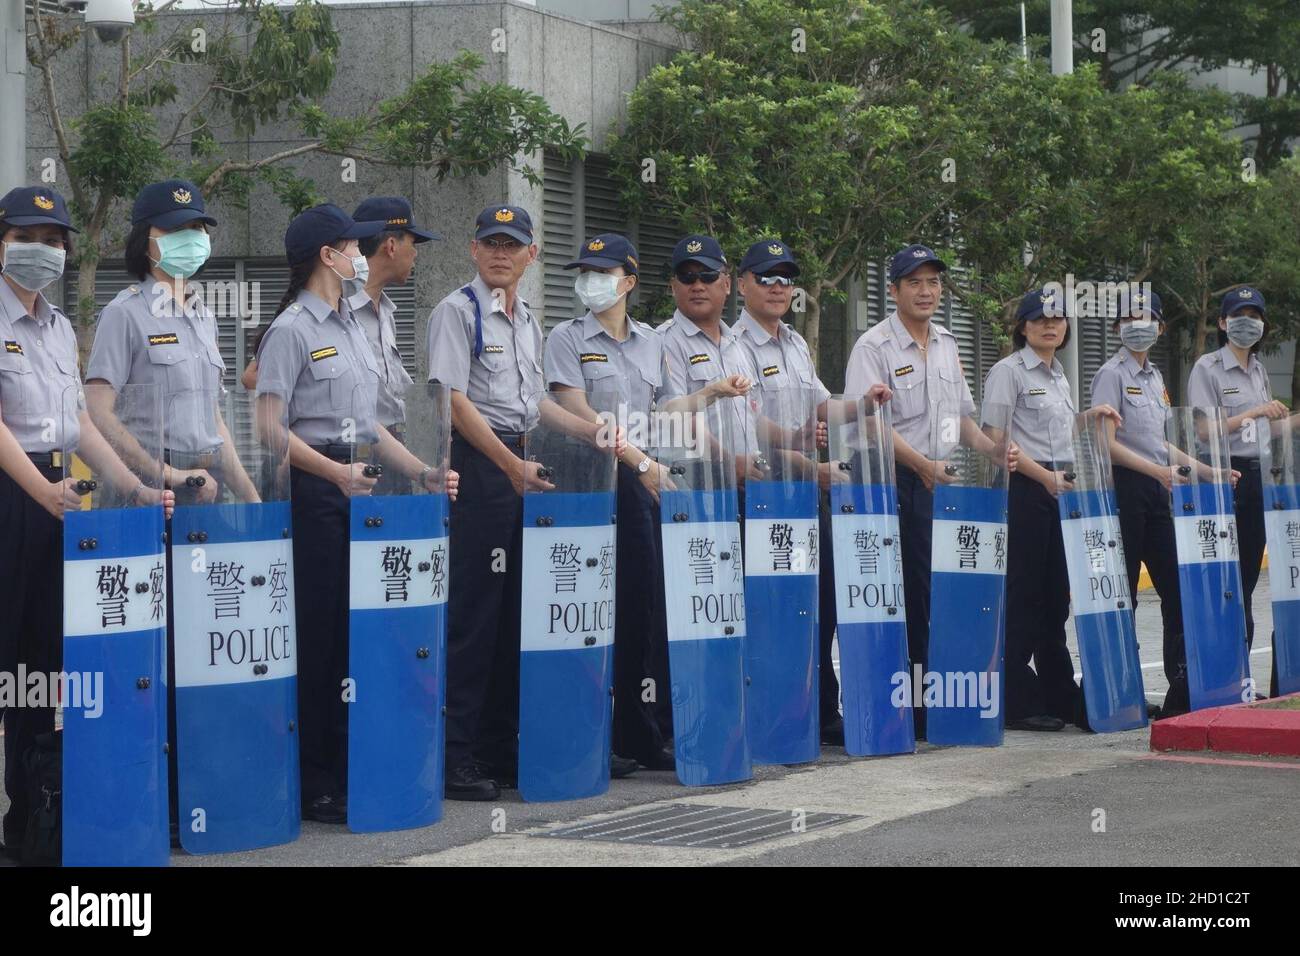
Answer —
260 63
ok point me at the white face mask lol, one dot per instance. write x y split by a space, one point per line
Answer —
360 273
1244 330
1139 336
33 265
598 290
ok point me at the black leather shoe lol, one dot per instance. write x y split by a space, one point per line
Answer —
833 732
506 778
331 808
620 767
1153 711
469 783
663 760
1041 722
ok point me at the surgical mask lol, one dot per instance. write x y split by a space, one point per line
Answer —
1244 330
360 273
1139 336
598 290
183 252
33 265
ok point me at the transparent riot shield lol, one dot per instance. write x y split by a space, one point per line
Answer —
114 634
1100 598
232 628
397 638
781 567
962 689
1209 575
704 590
1281 467
566 641
871 617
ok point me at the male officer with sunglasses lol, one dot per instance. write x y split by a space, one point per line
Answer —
783 360
700 347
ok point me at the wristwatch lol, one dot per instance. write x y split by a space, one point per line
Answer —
643 465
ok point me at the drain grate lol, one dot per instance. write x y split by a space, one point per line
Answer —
691 824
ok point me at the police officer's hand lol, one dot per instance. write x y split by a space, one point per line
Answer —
159 496
203 494
61 496
656 478
1013 456
452 484
830 473
930 473
524 477
352 481
1057 482
733 386
1274 411
823 435
1105 411
1234 476
1168 476
880 393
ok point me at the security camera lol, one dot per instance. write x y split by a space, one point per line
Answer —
110 19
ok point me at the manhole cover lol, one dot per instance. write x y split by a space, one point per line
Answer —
691 824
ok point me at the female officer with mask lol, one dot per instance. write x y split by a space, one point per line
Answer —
1234 378
317 373
159 331
1140 460
1033 384
38 367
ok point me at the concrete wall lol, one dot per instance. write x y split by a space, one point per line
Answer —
584 71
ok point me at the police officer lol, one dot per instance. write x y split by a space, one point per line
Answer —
782 358
1235 379
918 360
1033 384
159 331
607 351
38 367
704 354
1140 461
316 372
391 256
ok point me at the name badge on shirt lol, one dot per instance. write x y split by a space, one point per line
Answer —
14 347
165 338
770 371
1231 391
494 349
697 359
1037 391
1133 389
586 357
328 352
905 370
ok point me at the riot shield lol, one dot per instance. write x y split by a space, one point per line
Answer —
566 641
233 639
114 633
1209 576
781 566
704 590
397 639
962 689
1281 467
871 617
1099 587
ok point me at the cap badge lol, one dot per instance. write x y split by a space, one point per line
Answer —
632 262
43 203
182 195
694 245
919 253
400 221
775 249
1244 294
505 215
596 245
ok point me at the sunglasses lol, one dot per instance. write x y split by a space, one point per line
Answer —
510 245
708 277
774 278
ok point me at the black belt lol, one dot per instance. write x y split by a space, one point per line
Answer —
46 459
345 453
189 460
1245 464
509 439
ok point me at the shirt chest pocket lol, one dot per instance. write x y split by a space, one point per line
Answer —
334 386
174 368
496 367
702 371
909 394
16 382
1142 413
1238 401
